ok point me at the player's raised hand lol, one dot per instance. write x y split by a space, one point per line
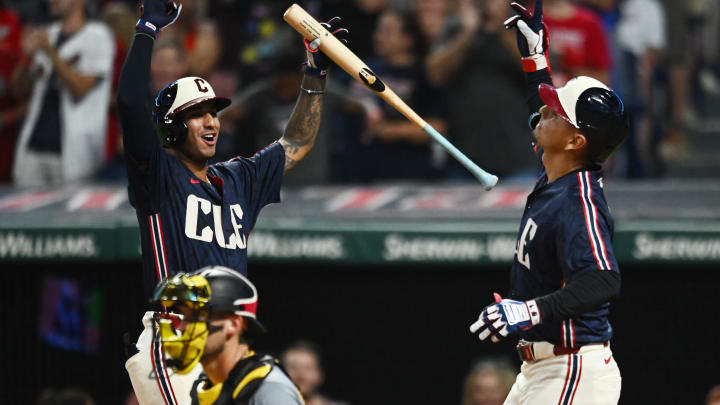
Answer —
156 15
318 62
504 318
532 36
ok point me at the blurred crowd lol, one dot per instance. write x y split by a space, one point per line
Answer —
488 381
450 60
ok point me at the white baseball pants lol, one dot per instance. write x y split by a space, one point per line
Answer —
589 377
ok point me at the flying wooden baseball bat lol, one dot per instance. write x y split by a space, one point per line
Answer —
309 28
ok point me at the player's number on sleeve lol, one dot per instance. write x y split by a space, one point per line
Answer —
527 235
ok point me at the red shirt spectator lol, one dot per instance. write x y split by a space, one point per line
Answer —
578 44
10 54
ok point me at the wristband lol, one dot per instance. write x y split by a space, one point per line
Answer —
308 91
147 27
316 72
534 311
534 63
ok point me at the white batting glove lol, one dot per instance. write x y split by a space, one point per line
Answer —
504 318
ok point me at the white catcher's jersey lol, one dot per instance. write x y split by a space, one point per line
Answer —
153 382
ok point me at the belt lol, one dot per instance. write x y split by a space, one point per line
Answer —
536 351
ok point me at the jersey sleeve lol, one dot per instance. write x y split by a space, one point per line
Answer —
275 393
147 187
260 176
139 140
276 389
584 234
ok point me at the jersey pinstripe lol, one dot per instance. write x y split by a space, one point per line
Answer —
566 230
186 223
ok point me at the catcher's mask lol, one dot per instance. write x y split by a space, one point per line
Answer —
191 299
184 346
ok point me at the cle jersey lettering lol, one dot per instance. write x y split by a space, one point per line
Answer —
527 235
195 205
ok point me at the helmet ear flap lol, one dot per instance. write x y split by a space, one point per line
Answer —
172 132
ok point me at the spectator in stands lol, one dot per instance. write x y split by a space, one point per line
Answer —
640 36
579 42
602 6
431 15
63 136
684 19
713 396
398 148
131 399
11 109
198 36
66 396
363 16
488 382
169 63
259 111
475 60
264 35
121 20
303 363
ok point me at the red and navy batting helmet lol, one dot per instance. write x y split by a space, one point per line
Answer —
594 109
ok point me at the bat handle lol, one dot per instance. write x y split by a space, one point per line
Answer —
486 179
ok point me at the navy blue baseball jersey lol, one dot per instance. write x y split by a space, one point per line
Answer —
186 223
566 230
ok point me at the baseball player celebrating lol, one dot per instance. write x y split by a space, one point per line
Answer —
564 271
192 214
211 320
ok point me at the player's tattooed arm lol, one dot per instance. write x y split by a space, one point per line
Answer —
304 123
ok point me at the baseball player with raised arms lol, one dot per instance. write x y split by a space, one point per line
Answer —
192 214
564 272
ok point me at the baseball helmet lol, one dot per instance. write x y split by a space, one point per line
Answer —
203 292
594 109
176 98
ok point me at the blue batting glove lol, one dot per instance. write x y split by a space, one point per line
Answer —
156 15
531 35
505 317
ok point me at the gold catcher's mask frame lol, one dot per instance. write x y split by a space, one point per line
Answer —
185 346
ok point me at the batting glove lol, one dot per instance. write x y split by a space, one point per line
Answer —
317 62
505 317
531 35
156 15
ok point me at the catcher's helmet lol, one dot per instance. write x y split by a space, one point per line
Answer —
176 98
593 108
203 292
233 293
